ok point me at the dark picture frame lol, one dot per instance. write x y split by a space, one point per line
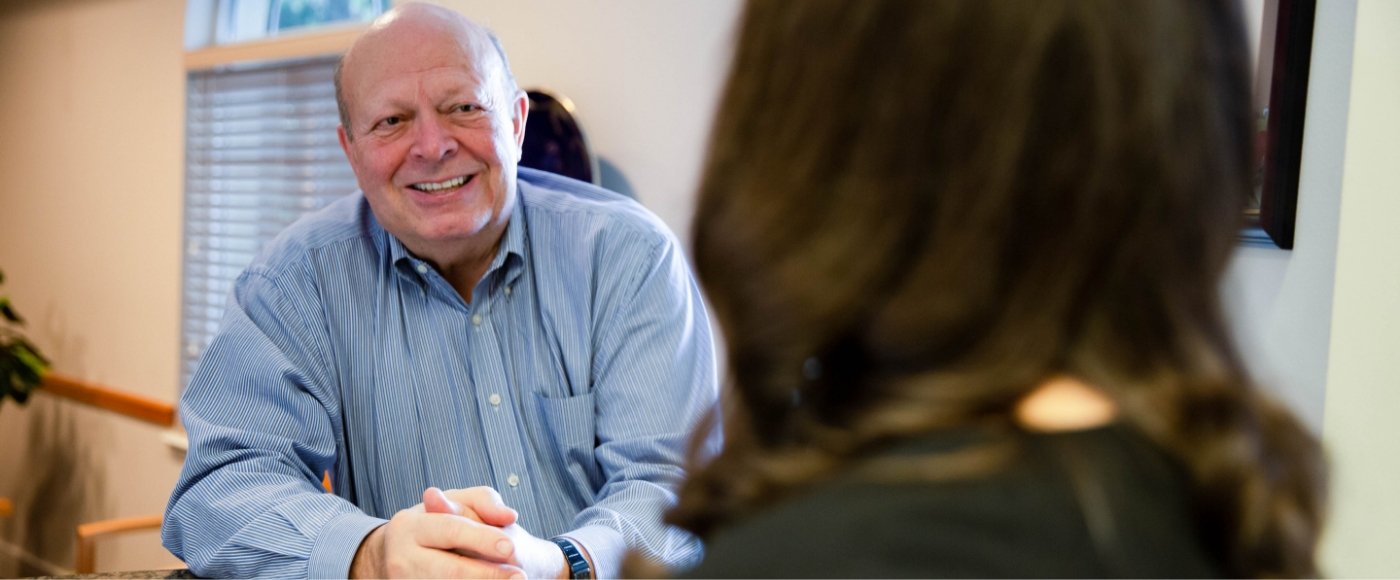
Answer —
1280 100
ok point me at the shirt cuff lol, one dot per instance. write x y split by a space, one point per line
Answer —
337 543
605 546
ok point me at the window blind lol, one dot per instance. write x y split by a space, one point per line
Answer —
261 151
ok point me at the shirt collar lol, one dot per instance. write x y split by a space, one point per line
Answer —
511 255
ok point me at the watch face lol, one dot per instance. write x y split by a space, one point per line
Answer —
554 142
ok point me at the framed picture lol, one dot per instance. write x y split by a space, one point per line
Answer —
1280 98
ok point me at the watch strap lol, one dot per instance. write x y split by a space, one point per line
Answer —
578 565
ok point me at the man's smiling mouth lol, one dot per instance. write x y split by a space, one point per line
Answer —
441 185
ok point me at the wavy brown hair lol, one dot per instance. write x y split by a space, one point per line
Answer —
913 213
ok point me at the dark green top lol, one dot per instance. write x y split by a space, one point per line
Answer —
1028 519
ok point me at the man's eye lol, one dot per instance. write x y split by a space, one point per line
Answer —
466 108
386 123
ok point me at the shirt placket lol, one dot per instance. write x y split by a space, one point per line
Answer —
498 403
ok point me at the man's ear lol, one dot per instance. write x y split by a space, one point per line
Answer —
344 140
520 110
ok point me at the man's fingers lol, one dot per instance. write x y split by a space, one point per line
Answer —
449 565
485 502
421 544
443 564
466 537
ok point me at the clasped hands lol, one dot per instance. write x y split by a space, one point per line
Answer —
459 533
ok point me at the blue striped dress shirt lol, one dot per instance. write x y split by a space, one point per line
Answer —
569 383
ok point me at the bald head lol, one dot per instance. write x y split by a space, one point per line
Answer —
417 22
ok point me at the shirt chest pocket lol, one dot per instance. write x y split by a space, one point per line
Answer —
569 431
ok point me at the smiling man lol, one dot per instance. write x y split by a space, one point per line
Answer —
532 344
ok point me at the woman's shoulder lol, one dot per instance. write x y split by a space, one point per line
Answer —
1024 519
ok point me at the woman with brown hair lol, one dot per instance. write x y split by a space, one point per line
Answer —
966 257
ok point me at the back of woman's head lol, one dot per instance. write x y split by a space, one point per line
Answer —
914 212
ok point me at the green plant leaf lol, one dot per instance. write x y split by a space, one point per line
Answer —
10 383
8 362
18 375
22 367
34 351
9 311
32 366
27 376
14 380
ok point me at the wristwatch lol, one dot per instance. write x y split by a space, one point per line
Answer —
578 565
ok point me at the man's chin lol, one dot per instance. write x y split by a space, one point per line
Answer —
463 233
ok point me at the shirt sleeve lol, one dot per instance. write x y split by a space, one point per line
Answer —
262 430
653 379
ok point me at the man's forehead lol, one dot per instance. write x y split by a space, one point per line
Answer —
458 31
421 39
381 87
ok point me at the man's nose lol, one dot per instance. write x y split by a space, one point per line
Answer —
432 141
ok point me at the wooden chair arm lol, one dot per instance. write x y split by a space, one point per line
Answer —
85 553
85 550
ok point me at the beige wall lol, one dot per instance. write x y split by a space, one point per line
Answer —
644 75
1363 381
91 94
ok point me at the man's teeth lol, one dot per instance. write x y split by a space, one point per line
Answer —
441 185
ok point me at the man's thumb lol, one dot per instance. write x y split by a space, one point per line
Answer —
436 502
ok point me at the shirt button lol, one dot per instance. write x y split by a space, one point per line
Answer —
476 320
513 480
422 268
507 290
495 400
